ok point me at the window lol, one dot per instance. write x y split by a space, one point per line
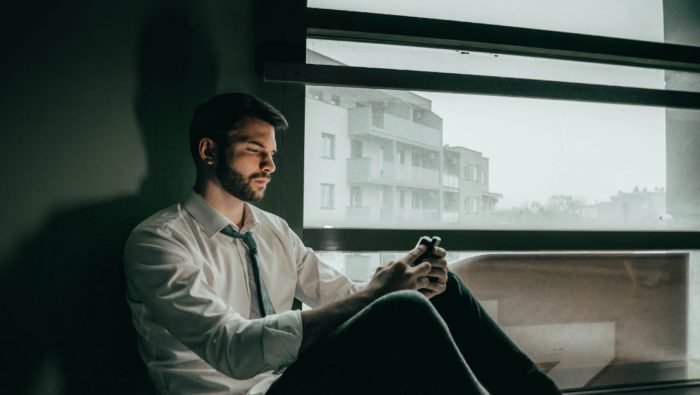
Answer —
327 196
474 205
415 200
328 146
621 18
579 144
415 159
355 148
475 172
356 197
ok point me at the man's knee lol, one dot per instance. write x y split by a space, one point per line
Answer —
405 308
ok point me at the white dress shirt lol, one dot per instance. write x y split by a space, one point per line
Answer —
190 300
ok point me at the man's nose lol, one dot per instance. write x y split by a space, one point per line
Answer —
268 164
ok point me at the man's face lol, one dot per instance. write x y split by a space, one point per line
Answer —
246 164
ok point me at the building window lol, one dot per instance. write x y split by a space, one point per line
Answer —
328 146
356 148
415 200
475 173
377 115
415 159
483 177
327 196
402 199
355 197
466 172
402 157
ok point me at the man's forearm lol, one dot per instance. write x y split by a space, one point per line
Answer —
318 322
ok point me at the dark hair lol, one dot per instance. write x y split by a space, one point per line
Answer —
227 112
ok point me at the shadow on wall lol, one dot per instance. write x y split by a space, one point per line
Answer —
66 328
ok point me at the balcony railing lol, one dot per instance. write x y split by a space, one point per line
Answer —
450 181
395 128
368 170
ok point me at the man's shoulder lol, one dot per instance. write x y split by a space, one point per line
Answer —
166 219
166 229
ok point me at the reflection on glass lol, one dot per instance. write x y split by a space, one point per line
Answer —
589 319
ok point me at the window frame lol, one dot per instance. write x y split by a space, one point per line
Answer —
330 188
289 69
331 139
280 59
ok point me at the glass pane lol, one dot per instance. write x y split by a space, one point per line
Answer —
648 20
436 160
589 319
497 65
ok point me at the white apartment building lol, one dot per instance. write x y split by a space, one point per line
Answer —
378 157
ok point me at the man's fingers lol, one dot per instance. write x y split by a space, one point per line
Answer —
421 269
432 289
439 252
413 254
438 272
423 282
435 262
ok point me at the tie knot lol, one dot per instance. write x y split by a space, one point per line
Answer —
247 237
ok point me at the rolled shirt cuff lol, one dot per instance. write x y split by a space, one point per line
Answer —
281 338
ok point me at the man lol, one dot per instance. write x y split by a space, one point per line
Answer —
211 283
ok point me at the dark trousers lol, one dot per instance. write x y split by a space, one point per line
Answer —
405 344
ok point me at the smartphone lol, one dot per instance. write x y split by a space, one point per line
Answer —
430 243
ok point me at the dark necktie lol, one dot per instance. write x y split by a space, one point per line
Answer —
263 305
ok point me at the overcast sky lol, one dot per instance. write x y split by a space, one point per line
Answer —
538 148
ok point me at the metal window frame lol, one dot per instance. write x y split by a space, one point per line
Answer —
281 53
437 33
287 67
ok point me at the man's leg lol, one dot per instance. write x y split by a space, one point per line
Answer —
397 345
498 363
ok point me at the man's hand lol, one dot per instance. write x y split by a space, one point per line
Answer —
437 274
400 275
429 276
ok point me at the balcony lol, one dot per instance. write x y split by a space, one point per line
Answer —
450 217
416 216
393 128
368 171
361 215
450 181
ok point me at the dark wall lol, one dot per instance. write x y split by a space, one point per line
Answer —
96 100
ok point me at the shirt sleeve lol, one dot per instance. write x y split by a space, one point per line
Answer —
162 275
317 282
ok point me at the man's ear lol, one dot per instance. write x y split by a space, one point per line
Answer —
207 151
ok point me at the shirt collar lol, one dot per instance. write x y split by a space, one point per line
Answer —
212 221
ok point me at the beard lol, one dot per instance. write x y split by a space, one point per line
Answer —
236 184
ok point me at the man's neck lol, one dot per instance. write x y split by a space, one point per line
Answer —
230 206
